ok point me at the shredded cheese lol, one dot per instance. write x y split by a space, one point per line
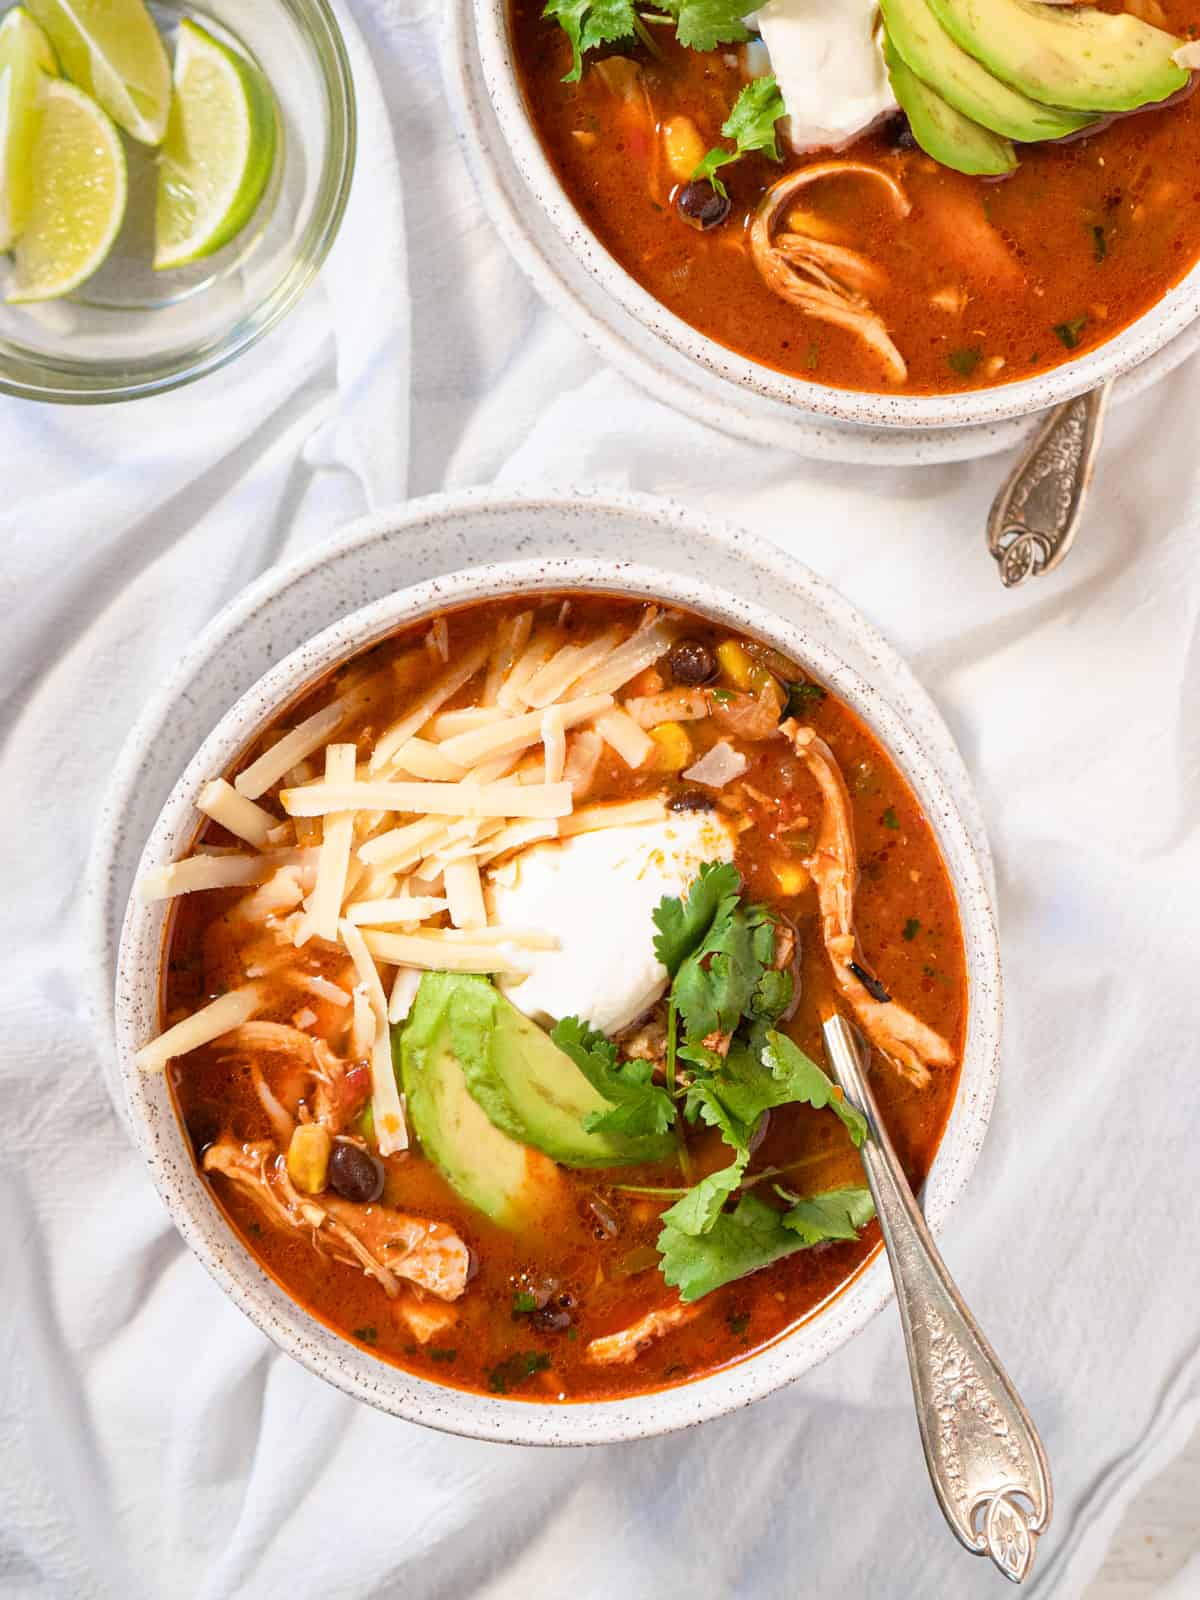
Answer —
554 745
420 759
325 903
673 705
535 654
404 912
217 871
433 954
447 723
404 992
401 847
516 836
434 698
638 652
567 666
511 638
622 734
518 733
220 1016
461 799
464 893
237 815
617 814
293 748
391 1131
583 757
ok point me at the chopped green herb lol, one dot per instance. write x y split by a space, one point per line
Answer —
640 1107
964 362
367 1335
1099 243
911 929
704 24
802 698
701 1205
588 23
754 1234
721 696
523 1303
739 1322
572 1333
683 924
516 1368
751 124
805 1082
890 819
1069 332
443 1355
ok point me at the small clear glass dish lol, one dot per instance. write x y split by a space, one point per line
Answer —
130 331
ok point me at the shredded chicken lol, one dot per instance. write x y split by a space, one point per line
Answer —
425 1319
388 1245
833 864
646 1039
827 281
628 1343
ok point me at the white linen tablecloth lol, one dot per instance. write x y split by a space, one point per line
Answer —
152 1443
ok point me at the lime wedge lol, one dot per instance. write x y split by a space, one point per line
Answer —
111 48
79 187
25 56
218 152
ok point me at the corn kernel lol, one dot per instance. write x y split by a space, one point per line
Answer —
684 147
736 663
673 748
308 1157
791 878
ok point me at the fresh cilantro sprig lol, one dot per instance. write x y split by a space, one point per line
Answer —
699 24
641 1108
751 125
753 1235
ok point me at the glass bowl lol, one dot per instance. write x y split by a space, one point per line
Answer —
129 331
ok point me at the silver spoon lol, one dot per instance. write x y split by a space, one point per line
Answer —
983 1452
1036 515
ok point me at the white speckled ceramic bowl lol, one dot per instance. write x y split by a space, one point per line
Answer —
148 1105
575 272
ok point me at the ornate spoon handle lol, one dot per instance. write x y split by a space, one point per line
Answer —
984 1455
1036 515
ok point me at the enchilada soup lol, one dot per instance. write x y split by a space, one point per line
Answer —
807 198
494 985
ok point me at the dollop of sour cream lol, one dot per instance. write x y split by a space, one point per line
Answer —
595 892
827 61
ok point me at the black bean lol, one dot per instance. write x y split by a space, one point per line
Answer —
691 800
354 1172
551 1319
691 662
701 206
899 133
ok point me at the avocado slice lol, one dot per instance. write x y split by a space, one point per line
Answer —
535 1092
529 1088
929 52
515 1186
1071 56
943 132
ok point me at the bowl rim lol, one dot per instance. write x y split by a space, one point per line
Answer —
105 382
658 327
392 1389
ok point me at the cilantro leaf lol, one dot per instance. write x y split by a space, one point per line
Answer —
753 1235
704 24
697 1212
751 125
683 925
835 1214
804 1081
588 23
641 1108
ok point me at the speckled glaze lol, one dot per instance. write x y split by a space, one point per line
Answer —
778 600
671 360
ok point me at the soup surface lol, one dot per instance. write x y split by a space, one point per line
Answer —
535 1217
984 281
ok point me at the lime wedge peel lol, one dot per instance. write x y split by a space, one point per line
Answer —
79 192
112 50
218 153
26 60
